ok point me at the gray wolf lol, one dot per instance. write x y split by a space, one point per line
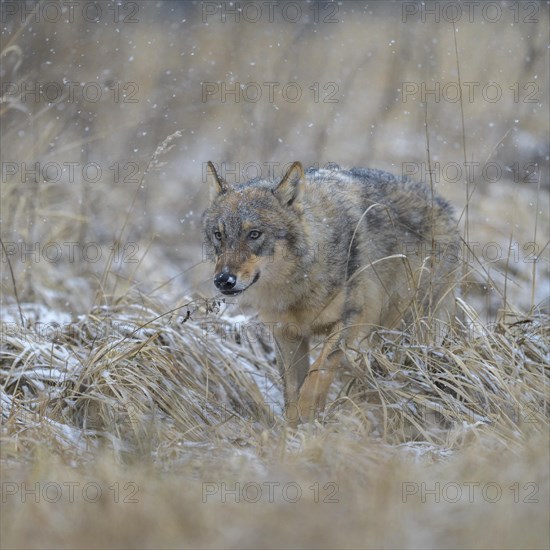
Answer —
331 252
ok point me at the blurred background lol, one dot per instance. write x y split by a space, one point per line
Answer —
110 111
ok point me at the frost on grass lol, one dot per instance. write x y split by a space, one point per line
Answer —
135 379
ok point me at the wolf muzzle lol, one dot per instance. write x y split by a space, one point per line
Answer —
226 283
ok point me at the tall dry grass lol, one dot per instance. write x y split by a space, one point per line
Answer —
124 374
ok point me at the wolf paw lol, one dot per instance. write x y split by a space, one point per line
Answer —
313 393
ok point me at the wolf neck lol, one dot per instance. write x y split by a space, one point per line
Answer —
294 288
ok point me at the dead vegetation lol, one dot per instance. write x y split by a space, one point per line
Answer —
119 374
131 398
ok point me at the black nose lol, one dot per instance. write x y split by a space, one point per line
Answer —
225 280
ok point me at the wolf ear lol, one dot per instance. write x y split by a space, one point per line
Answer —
217 184
289 187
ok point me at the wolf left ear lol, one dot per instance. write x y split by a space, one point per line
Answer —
217 184
289 187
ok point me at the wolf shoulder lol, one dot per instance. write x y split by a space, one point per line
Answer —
369 186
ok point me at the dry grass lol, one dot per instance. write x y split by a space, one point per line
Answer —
123 376
136 380
134 398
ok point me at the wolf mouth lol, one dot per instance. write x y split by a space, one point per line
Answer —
235 292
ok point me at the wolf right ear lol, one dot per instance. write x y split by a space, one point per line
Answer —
217 184
289 187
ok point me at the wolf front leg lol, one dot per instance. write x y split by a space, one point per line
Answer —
313 393
293 362
361 313
314 390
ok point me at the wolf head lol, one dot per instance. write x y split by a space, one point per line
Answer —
250 229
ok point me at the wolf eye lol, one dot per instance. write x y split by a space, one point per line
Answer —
218 235
254 234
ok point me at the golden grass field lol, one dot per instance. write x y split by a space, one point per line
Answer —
139 410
